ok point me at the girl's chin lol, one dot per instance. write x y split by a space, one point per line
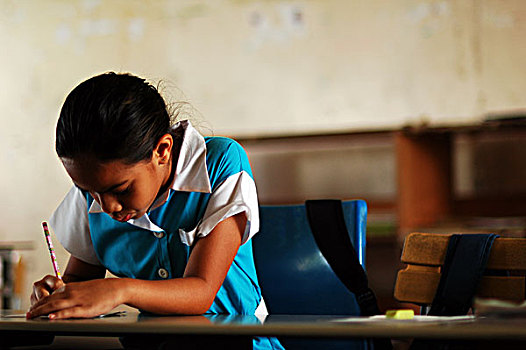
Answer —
137 215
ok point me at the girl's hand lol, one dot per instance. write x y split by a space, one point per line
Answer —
45 287
78 300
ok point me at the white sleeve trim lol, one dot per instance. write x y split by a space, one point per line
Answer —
70 224
237 194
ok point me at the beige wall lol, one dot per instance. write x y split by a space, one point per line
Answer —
250 68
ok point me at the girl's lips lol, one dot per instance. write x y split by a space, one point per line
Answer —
123 218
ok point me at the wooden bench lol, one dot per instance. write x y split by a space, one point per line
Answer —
424 255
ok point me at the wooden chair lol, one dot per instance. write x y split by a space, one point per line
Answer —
424 255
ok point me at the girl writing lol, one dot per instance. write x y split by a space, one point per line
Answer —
167 210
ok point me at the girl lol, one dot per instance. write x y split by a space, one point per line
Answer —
169 211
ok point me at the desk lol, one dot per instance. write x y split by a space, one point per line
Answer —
245 327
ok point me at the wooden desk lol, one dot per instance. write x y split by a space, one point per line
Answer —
245 327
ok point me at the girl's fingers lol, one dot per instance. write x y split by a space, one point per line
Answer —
53 283
47 306
38 304
40 293
72 312
41 289
52 299
74 300
45 287
33 298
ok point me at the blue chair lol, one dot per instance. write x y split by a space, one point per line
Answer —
294 276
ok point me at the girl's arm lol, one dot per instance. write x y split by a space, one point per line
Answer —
78 270
207 267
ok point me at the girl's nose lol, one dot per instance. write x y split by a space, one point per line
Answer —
109 203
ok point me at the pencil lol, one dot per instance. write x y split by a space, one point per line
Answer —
51 250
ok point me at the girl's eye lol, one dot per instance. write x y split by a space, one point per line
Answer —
122 192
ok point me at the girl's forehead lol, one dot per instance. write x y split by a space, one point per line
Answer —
92 162
91 174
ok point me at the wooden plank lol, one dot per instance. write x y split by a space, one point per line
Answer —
508 288
430 249
416 287
508 254
419 286
425 249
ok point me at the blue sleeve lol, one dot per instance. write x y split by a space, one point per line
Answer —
225 157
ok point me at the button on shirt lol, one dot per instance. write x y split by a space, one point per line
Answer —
162 273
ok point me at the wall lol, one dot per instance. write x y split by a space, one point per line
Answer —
250 68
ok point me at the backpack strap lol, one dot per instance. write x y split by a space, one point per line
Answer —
327 223
328 227
464 265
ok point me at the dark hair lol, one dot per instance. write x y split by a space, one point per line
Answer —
112 116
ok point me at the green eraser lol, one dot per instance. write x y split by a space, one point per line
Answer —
403 314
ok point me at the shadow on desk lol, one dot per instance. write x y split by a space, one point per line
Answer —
134 342
69 342
113 343
437 344
35 342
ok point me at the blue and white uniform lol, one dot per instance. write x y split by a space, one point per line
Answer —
212 181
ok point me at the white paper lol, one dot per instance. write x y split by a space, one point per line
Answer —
416 318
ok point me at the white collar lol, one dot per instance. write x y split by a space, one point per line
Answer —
191 174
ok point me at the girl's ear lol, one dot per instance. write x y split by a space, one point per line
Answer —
163 150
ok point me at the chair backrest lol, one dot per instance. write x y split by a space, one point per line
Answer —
424 255
294 276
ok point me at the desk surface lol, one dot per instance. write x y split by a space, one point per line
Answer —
274 325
